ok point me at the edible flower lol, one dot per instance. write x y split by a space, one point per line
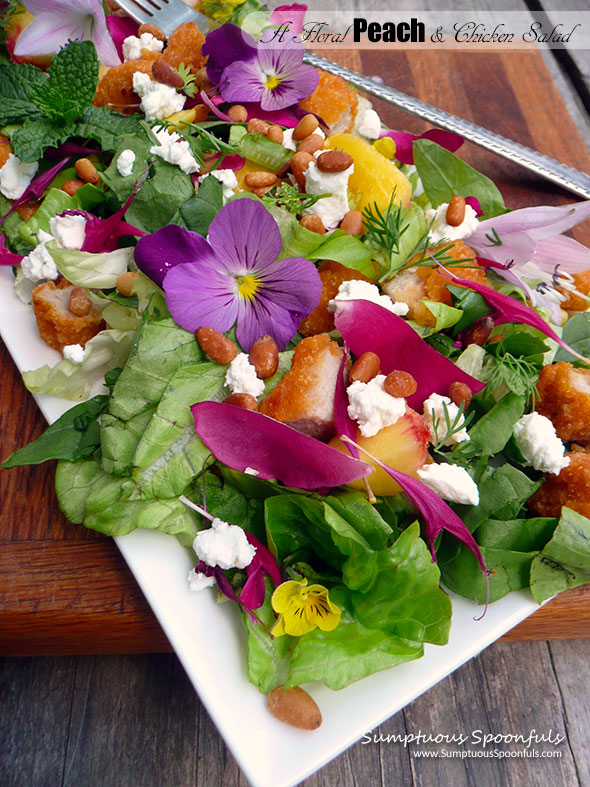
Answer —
404 141
234 276
302 608
290 15
58 21
270 72
528 244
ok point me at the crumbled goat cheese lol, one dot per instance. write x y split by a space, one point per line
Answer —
370 124
434 414
251 471
288 141
39 264
69 231
450 482
15 176
174 149
241 377
419 189
158 101
199 581
133 45
125 162
357 289
440 229
334 208
224 545
74 353
539 444
372 407
228 180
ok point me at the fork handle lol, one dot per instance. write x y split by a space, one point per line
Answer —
568 177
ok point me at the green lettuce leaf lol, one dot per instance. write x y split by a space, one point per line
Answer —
85 269
110 129
268 657
492 431
576 333
55 202
565 561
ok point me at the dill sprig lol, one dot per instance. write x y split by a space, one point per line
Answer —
290 198
451 426
517 374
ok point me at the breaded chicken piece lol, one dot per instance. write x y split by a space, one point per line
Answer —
570 488
57 324
425 282
332 275
304 399
564 397
334 101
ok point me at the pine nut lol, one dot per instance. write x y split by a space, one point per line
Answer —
365 368
79 303
264 357
306 126
456 211
201 113
460 392
477 333
257 126
352 223
217 346
243 400
299 162
86 171
166 74
311 144
294 706
334 161
124 284
260 179
238 113
313 223
275 133
400 384
71 186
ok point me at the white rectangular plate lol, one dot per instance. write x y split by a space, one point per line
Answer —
210 639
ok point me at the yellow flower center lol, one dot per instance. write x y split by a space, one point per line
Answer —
272 81
248 286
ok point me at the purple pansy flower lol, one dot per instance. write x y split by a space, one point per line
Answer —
270 72
232 276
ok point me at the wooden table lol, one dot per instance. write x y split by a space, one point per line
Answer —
66 590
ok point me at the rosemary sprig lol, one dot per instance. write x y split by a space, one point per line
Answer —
451 426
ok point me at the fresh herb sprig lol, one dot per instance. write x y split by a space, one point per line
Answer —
289 198
517 374
202 142
451 426
189 87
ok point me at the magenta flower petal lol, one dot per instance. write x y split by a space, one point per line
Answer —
224 46
474 203
290 15
511 310
8 257
253 593
367 327
242 438
404 142
120 28
157 253
37 186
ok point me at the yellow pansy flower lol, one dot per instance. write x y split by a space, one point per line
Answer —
302 607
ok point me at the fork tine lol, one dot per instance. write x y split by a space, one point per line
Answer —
166 14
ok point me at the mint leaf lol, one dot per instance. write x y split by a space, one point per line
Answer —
30 141
74 436
73 76
108 128
16 82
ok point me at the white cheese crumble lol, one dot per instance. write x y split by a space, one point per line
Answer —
251 471
370 125
228 180
434 415
450 482
241 377
224 545
15 176
39 264
334 208
174 149
357 289
539 444
158 101
74 353
198 581
69 231
125 162
440 229
133 45
372 407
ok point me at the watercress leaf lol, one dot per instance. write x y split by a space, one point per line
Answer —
74 436
404 597
121 186
73 76
170 454
492 431
30 141
348 653
576 333
443 175
472 305
197 213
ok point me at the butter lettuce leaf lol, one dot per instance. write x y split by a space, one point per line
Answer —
85 269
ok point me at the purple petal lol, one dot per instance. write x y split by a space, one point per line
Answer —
511 310
7 257
213 107
198 295
292 89
157 253
242 438
367 327
224 46
261 316
437 515
120 28
245 236
550 252
242 81
105 46
294 284
291 15
254 590
265 558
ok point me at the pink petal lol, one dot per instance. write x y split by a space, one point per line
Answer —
516 247
562 253
475 204
217 112
103 41
404 142
241 438
120 28
541 222
7 257
291 15
48 32
367 327
37 186
511 310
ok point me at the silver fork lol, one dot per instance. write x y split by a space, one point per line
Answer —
168 14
